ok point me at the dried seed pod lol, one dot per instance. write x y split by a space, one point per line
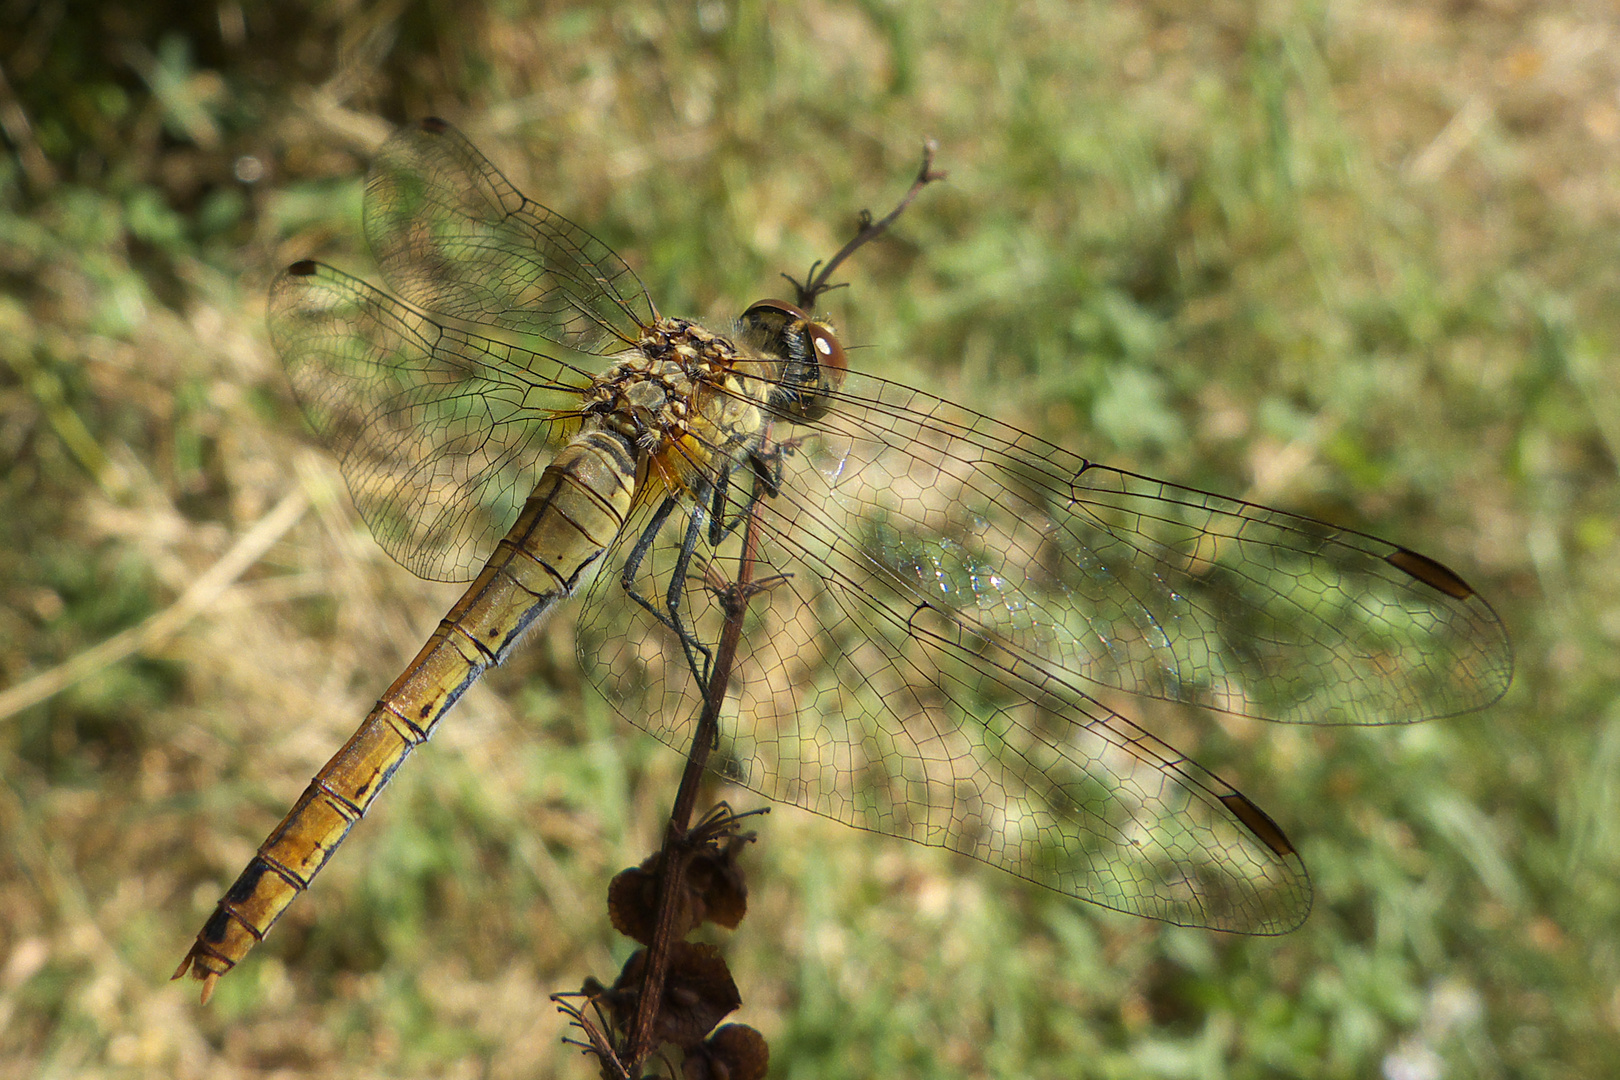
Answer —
735 1052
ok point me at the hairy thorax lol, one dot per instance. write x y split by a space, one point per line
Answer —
686 398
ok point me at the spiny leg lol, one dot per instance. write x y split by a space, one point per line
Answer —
669 616
644 543
677 589
766 467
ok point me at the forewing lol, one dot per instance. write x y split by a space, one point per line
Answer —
454 237
441 434
1105 577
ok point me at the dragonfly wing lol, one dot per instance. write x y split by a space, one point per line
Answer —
441 434
1118 580
943 597
859 699
865 703
453 236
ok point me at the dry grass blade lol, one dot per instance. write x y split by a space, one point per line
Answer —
213 582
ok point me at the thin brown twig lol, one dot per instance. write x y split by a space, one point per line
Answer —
816 282
598 1043
676 850
734 597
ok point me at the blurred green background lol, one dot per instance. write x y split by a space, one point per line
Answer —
1354 259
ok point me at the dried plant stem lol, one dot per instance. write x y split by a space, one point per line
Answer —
734 598
677 850
815 282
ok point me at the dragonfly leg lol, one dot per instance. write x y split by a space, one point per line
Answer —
767 469
768 465
721 523
669 615
677 589
719 529
644 543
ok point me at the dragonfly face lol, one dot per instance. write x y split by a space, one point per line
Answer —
814 363
949 593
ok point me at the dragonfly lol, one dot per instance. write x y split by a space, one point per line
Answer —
946 601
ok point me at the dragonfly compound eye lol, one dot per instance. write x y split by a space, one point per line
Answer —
813 362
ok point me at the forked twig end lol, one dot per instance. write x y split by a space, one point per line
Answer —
816 283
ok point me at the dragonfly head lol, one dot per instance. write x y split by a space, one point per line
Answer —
813 362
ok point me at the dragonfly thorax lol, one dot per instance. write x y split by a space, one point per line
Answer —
679 398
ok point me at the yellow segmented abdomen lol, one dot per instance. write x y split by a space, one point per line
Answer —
577 508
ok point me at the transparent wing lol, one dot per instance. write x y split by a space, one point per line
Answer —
1121 580
944 595
441 434
454 237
